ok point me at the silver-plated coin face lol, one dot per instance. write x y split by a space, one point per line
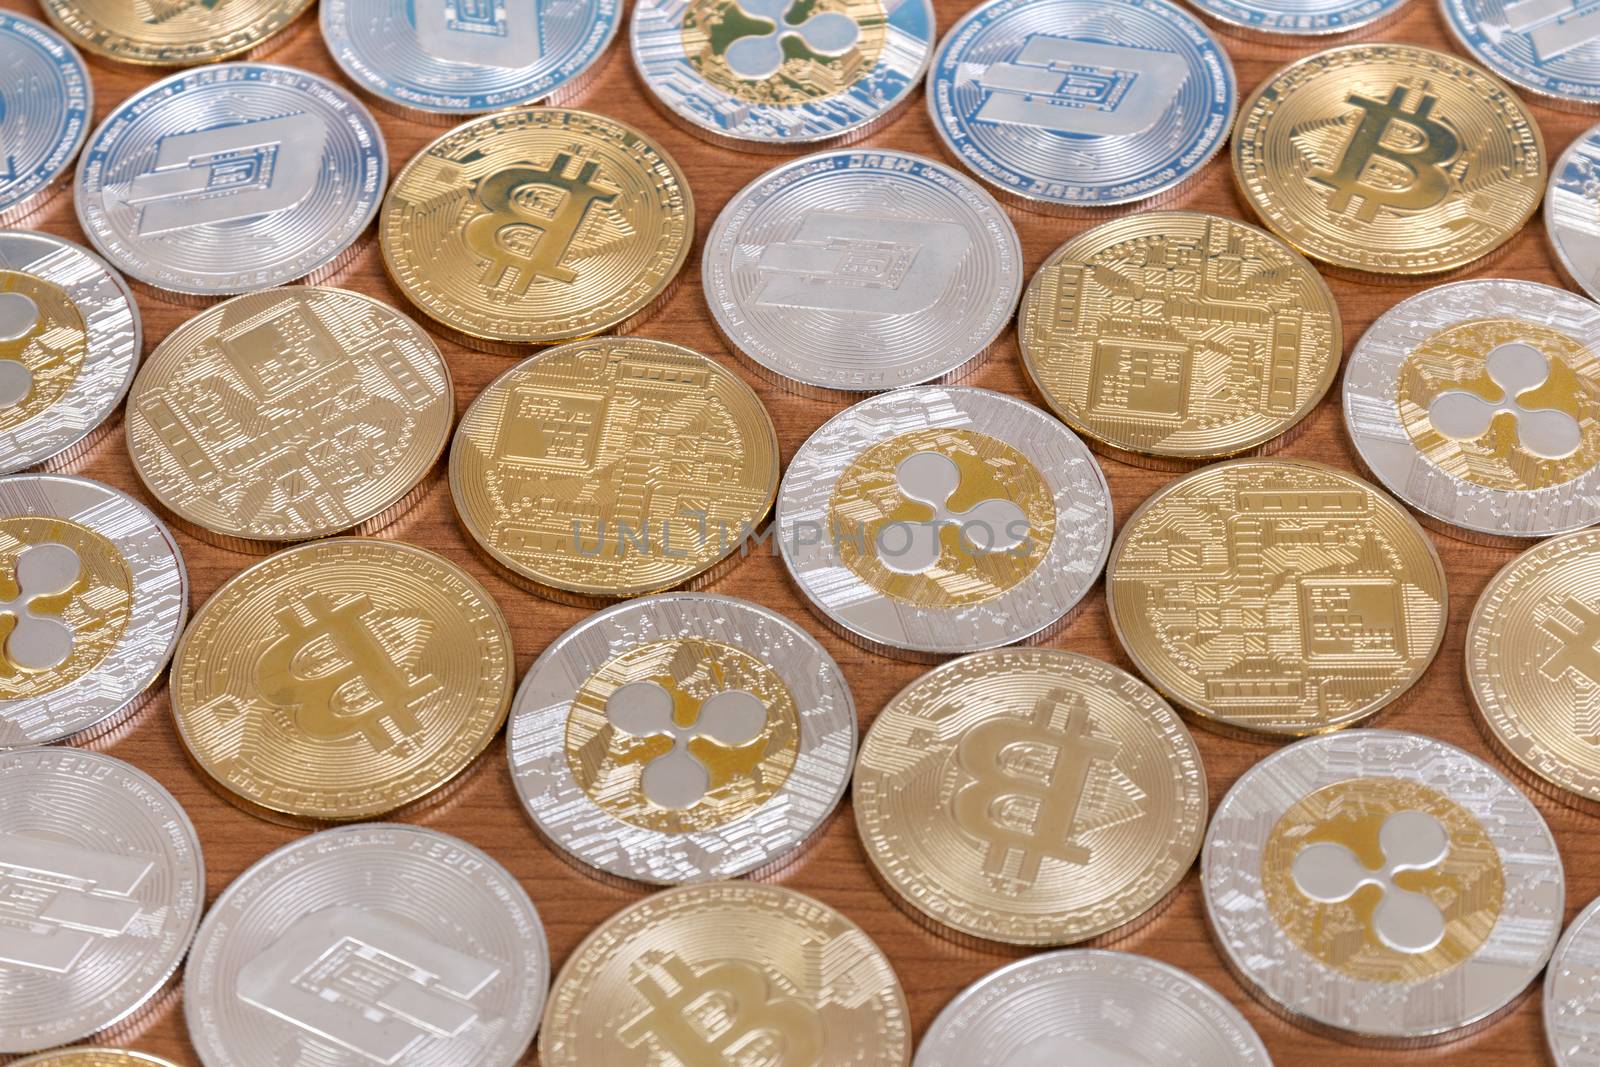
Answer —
682 738
378 943
1572 212
1384 887
1478 404
1299 20
97 595
1089 1006
938 520
1571 1001
862 271
45 105
101 888
1551 50
231 178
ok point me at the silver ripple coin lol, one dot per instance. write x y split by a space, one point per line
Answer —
1548 48
101 887
231 178
858 272
378 943
1382 887
46 101
1572 212
1571 1001
1312 21
682 738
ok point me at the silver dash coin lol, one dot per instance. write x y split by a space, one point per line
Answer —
1382 887
101 887
1309 21
858 272
231 178
1571 1001
45 105
934 521
97 594
1547 48
379 943
1572 212
1090 1006
1478 404
682 738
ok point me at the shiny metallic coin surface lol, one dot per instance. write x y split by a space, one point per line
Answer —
1551 51
1572 994
101 888
787 972
174 34
1572 213
1068 104
1382 887
45 108
682 738
92 1057
379 943
1089 834
1299 20
230 179
858 272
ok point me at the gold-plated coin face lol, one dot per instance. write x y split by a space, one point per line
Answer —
689 975
537 225
1276 597
1173 338
614 467
342 679
172 33
1030 796
1389 159
91 1057
44 343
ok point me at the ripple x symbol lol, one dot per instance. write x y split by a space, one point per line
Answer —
759 56
929 478
677 779
38 642
1330 873
1517 368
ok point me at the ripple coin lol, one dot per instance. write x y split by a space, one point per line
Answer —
45 109
163 33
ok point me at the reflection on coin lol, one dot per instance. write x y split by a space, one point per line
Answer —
369 944
101 886
290 414
1572 994
44 113
1572 212
342 679
1382 887
858 272
161 33
1551 50
785 972
92 1057
1295 21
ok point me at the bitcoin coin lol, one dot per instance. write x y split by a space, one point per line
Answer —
1295 21
858 272
92 1057
1168 339
682 738
771 75
174 33
1570 998
1383 887
342 679
45 106
537 225
699 974
1389 160
230 179
1549 49
1572 213
101 887
368 944
1062 105
614 467
1090 833
288 415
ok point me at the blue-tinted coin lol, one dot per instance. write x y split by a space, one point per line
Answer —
45 102
1298 20
1550 48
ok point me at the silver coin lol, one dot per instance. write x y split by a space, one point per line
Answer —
231 178
377 943
1571 1001
862 271
1383 887
682 738
1549 48
97 595
1572 212
45 106
1089 1006
937 520
1318 21
101 887
1478 405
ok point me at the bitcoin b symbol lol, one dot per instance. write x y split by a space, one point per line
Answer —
546 205
1420 158
716 1016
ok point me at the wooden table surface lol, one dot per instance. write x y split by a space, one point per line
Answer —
485 810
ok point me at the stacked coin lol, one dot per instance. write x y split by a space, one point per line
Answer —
45 116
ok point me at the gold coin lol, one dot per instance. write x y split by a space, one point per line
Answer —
342 679
290 414
1030 796
693 974
1389 159
92 1057
614 467
537 225
1276 597
173 33
1171 338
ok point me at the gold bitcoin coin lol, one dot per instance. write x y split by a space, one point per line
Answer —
173 33
1168 339
1030 796
1389 159
1276 597
537 225
701 974
342 679
91 1057
614 467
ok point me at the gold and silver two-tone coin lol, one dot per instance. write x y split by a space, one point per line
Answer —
1030 796
688 974
1385 888
342 680
1276 597
537 225
174 34
92 1057
1571 1001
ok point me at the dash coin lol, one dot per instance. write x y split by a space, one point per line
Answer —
1572 213
45 110
1551 51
